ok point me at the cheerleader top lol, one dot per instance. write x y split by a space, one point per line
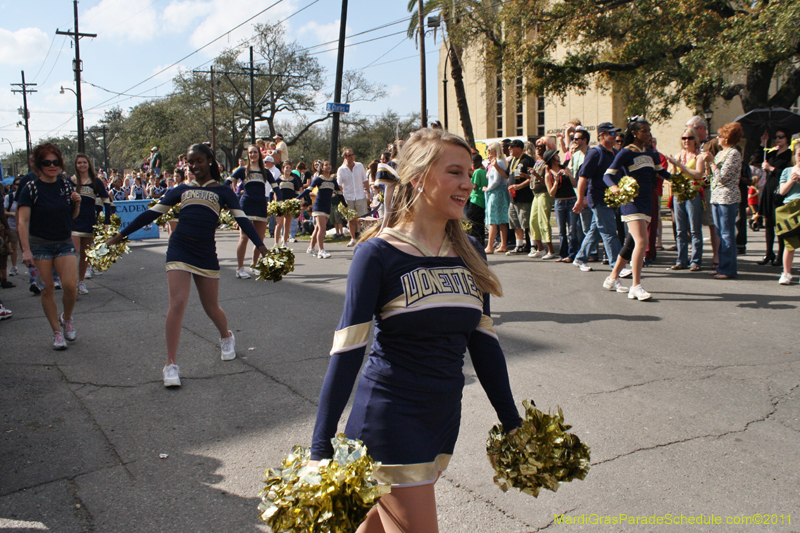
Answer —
200 209
91 200
427 312
641 165
289 188
253 181
387 174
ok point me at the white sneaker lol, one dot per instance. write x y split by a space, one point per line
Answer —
69 330
88 274
549 256
351 243
13 271
82 288
535 253
171 376
228 345
638 293
626 272
311 251
614 285
57 285
5 313
323 254
292 239
786 279
58 341
242 274
582 266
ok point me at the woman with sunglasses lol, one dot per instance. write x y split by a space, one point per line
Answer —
93 193
191 253
253 179
689 214
46 208
776 160
639 161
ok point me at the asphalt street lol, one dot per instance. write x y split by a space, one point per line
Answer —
689 402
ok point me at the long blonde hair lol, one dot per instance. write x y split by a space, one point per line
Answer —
422 150
498 152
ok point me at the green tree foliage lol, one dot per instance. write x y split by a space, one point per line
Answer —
656 54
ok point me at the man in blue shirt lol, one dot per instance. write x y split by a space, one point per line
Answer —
591 187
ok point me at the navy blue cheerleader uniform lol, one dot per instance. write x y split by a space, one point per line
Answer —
138 193
192 247
407 408
91 200
326 188
387 174
288 189
641 165
254 197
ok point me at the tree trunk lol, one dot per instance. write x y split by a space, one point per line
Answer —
755 94
461 95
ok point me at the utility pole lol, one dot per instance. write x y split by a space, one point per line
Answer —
78 67
424 111
337 91
213 111
105 152
25 113
252 70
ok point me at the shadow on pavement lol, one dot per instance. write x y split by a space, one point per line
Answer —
566 318
749 301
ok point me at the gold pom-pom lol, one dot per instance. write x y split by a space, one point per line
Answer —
278 262
334 496
226 219
285 208
166 217
347 213
628 190
466 225
685 188
380 197
100 256
540 454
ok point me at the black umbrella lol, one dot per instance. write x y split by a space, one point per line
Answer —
756 122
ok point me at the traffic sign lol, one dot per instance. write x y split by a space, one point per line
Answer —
330 107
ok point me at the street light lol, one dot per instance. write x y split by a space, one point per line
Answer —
79 113
708 114
13 156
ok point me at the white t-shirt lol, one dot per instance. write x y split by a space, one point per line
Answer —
352 181
283 149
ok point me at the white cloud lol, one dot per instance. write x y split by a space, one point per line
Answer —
24 46
396 90
112 19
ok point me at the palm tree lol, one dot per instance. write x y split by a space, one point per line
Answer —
450 17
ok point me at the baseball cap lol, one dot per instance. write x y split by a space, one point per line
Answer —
516 143
607 127
269 159
154 149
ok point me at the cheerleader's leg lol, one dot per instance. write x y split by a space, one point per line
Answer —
407 510
179 283
208 290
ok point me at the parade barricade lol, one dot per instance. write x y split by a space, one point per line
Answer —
129 210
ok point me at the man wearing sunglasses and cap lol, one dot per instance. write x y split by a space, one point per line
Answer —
519 185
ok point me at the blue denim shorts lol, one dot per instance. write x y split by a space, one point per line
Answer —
49 252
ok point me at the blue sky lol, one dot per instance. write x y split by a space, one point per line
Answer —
139 38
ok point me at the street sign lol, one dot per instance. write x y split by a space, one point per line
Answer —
330 107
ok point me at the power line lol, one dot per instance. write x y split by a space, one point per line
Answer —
56 61
53 40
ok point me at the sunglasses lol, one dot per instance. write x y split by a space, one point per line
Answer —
687 138
780 136
49 163
348 155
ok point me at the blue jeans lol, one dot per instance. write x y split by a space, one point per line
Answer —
586 222
689 220
725 222
604 225
567 237
293 228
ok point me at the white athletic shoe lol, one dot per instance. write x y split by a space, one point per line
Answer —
638 293
292 239
786 279
228 345
69 330
582 266
88 274
311 251
548 256
614 285
82 288
323 254
626 272
242 273
58 341
13 271
351 243
171 376
535 253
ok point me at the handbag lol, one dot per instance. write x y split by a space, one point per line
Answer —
787 219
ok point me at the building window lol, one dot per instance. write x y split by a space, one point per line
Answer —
540 116
519 114
499 106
